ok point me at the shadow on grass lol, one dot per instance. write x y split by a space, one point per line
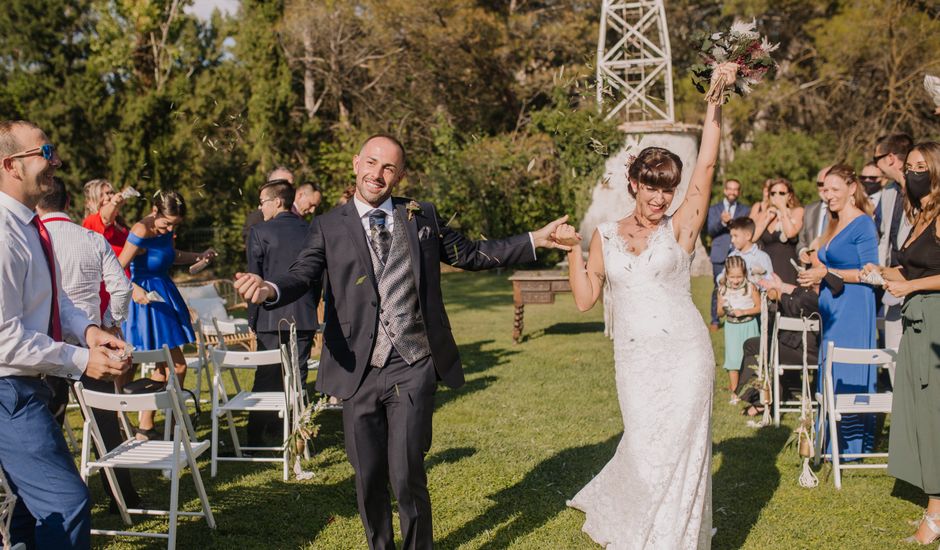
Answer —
745 483
538 497
586 327
913 494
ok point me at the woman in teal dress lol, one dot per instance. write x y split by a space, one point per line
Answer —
158 315
914 444
847 309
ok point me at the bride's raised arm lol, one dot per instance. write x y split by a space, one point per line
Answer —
690 217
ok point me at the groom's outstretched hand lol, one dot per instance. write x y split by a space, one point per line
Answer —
253 288
543 237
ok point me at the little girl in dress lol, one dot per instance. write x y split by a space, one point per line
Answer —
739 302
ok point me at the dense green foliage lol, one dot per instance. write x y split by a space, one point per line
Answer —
490 96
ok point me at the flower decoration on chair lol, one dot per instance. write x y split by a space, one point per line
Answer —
742 45
305 430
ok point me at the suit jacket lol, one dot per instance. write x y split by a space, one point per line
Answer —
337 249
272 248
810 229
889 197
721 237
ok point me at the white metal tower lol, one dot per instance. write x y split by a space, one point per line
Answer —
634 62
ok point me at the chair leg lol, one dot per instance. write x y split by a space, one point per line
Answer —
200 488
777 392
198 389
118 495
821 423
174 490
234 432
834 450
214 442
285 443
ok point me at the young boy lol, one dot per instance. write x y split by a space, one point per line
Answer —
758 262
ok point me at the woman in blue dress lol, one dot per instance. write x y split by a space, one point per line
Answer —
848 313
158 315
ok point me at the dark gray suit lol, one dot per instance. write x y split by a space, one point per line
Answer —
387 411
272 248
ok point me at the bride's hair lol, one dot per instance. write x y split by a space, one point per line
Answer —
655 167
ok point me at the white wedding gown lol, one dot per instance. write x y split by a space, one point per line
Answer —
655 493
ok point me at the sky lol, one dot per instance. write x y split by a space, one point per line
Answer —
203 8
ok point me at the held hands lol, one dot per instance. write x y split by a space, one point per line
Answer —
566 235
108 355
254 289
812 276
543 238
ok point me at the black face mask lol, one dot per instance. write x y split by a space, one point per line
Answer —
871 186
917 185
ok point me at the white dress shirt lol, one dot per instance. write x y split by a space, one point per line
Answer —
84 259
26 348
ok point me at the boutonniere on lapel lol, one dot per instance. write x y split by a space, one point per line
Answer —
412 207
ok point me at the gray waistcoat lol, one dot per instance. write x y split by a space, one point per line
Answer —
400 322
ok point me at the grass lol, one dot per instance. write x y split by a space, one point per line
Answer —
533 424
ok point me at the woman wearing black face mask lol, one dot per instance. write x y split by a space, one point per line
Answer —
914 447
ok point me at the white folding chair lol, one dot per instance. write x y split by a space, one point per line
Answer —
249 401
834 406
199 364
792 324
171 455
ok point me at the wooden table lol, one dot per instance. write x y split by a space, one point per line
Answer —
534 287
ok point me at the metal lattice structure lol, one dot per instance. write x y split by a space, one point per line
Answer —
634 62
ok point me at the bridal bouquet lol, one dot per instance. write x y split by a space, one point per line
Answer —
742 45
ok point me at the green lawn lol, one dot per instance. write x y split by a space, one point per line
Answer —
532 425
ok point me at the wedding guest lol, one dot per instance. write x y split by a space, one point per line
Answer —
739 302
914 442
758 262
778 228
254 217
791 301
846 304
53 508
759 208
891 155
272 248
815 220
346 196
159 315
872 179
85 259
103 215
716 224
307 199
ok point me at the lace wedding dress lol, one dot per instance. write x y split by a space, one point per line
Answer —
655 493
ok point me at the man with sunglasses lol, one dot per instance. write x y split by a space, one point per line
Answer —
815 218
890 155
53 507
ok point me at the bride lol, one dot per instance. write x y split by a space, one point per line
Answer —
656 491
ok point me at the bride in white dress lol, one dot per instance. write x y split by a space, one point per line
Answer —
655 493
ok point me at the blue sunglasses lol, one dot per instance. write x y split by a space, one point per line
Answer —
47 150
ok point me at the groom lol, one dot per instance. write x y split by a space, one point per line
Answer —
387 338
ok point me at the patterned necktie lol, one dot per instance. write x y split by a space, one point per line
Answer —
379 236
55 324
